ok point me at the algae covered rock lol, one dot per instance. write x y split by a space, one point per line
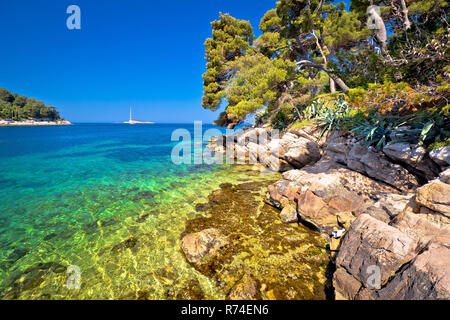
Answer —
189 291
201 246
289 213
246 289
287 260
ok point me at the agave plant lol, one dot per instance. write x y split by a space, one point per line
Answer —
379 132
314 110
426 130
333 118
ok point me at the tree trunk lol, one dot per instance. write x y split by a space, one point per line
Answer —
332 83
406 21
325 60
377 24
332 76
332 86
339 82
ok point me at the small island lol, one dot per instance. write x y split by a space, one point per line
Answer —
18 110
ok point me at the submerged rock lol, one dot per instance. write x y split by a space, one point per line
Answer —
246 289
16 255
50 236
139 295
127 244
189 291
289 213
107 222
287 261
30 278
202 246
143 218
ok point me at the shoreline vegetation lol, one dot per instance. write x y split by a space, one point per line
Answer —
18 110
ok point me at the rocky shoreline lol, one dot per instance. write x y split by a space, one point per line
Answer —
5 123
383 217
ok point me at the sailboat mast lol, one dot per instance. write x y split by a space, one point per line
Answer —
130 114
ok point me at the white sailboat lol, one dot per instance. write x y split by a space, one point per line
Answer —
131 121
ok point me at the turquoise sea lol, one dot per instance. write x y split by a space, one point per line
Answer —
105 198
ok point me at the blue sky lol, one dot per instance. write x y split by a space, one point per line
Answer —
145 54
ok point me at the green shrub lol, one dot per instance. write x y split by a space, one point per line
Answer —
439 144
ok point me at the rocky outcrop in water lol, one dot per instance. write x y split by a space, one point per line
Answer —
200 248
263 258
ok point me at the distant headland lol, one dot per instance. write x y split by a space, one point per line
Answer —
18 110
34 122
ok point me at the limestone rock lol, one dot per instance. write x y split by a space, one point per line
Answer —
362 185
441 156
433 216
445 176
326 185
420 228
325 164
314 211
301 153
368 162
370 242
282 190
323 197
412 155
427 277
345 284
389 206
435 196
345 220
338 152
311 133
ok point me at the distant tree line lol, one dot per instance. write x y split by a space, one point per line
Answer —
17 107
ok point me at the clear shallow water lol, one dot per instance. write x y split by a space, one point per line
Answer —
70 194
